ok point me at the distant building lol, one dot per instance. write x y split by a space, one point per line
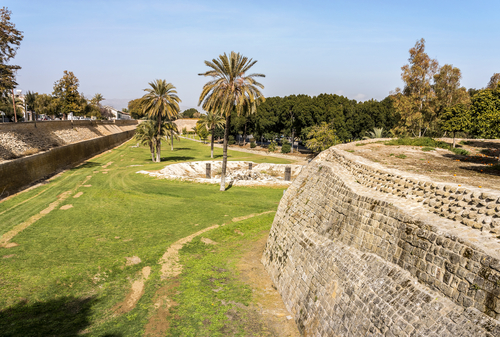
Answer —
116 114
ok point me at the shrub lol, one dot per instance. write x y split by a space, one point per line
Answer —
401 156
231 140
428 148
272 146
286 147
253 145
427 142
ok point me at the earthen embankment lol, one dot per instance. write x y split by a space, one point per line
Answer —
359 250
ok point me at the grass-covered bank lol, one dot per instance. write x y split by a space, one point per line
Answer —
68 272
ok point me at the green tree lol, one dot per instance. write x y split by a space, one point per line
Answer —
10 40
7 106
67 95
190 113
135 109
485 113
29 100
447 89
160 101
414 102
211 121
494 81
321 137
45 105
230 91
456 119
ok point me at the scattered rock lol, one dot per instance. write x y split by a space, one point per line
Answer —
132 260
207 241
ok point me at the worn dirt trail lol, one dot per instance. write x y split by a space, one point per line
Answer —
4 239
267 301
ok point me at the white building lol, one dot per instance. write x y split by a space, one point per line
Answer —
116 113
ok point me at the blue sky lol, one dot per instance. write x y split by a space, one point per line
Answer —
353 48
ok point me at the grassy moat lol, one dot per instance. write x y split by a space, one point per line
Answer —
64 271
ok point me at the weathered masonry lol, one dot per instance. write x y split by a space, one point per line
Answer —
18 173
360 250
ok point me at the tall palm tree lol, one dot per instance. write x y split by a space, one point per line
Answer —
211 121
160 101
230 90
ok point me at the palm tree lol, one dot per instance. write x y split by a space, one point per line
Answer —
96 100
211 121
171 128
146 135
29 100
160 101
230 90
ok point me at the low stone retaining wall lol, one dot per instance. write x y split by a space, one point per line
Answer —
19 173
355 250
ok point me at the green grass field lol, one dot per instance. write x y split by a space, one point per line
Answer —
68 271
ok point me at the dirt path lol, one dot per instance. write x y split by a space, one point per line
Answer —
267 301
4 239
270 307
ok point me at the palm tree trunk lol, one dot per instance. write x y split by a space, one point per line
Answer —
171 140
245 134
158 141
152 149
224 156
212 144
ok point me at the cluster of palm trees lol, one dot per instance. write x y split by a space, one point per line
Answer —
229 92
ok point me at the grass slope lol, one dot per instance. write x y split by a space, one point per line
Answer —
68 271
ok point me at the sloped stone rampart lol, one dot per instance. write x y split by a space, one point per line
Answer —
23 139
16 174
354 252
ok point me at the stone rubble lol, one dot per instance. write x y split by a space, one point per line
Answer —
237 172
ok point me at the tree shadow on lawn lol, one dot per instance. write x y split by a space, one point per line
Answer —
88 164
177 158
65 316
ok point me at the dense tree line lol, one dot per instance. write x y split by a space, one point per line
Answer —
298 114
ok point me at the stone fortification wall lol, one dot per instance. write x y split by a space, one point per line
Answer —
16 174
359 250
22 139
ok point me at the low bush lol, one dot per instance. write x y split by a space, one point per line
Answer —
253 145
427 142
272 146
231 140
286 147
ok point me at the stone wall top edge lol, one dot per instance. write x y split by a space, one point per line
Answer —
404 174
413 213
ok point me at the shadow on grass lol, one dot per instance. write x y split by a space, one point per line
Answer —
177 158
65 316
88 164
